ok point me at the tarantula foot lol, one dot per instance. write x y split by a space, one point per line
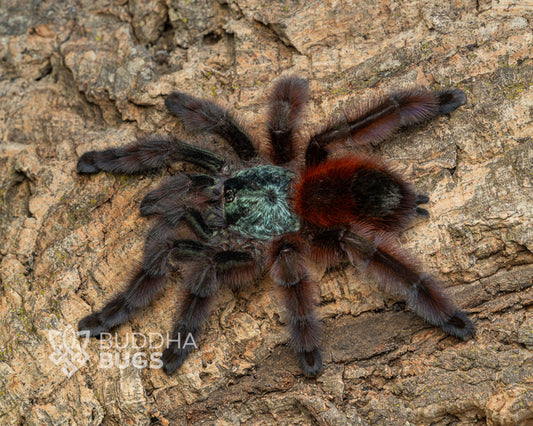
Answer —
93 325
87 164
149 204
450 100
173 358
422 199
310 362
459 325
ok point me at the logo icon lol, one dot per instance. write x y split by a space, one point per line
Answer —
68 350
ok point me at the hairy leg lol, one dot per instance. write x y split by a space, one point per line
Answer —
286 103
380 118
206 116
399 273
172 199
146 155
145 284
202 277
194 311
289 272
166 199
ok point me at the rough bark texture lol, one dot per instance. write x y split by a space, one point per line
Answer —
76 76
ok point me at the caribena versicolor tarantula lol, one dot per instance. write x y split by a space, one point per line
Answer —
276 212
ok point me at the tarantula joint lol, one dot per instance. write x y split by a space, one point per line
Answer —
276 213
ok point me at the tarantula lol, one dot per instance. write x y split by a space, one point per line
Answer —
275 212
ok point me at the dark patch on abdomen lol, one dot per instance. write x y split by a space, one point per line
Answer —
375 193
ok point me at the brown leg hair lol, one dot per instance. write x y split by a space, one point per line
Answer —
289 271
380 118
287 101
400 274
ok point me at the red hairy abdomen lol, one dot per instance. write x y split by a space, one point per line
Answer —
324 196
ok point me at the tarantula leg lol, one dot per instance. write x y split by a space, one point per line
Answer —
400 275
202 279
203 115
195 309
422 199
197 223
168 202
422 292
286 101
289 272
176 213
421 212
145 284
173 190
236 268
166 197
450 100
380 118
148 154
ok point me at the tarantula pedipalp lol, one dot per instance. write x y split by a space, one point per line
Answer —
276 214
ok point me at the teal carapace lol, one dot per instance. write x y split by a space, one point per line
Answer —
256 202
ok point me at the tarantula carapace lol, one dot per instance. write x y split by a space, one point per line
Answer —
276 212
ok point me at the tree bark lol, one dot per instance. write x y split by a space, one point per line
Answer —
82 77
